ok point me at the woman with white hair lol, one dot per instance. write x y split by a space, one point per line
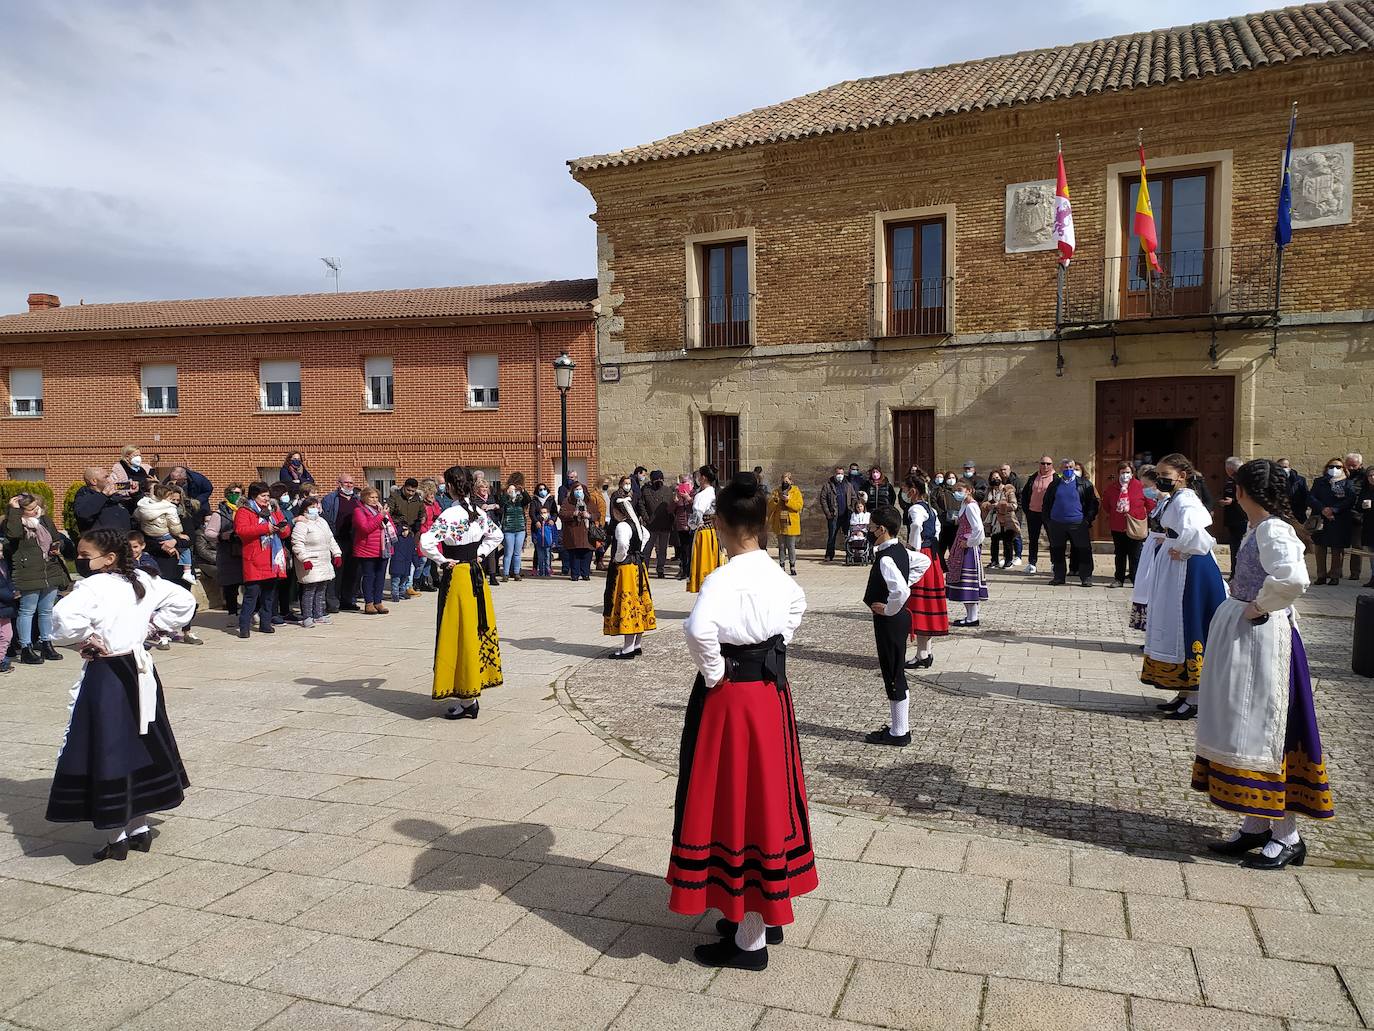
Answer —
129 475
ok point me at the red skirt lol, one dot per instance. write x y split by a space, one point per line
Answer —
741 830
928 605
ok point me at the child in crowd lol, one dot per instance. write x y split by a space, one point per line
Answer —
895 569
856 546
317 555
138 550
160 520
544 527
9 608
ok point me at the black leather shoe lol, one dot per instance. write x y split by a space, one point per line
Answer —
46 650
886 737
726 953
1056 583
727 929
927 662
30 656
913 664
459 713
142 842
245 634
1247 842
118 850
964 622
1185 711
1170 705
1085 581
1294 854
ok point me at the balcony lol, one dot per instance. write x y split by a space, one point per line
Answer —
909 308
721 320
1212 286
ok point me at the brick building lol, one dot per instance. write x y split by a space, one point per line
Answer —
868 272
385 384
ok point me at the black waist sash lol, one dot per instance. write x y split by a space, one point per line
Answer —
467 554
1171 534
766 661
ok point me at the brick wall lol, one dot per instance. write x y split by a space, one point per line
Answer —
91 398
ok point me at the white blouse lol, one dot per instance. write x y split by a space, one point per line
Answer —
746 601
899 587
455 526
1282 555
703 504
975 522
1185 515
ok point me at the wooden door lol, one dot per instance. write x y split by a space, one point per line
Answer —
722 444
913 441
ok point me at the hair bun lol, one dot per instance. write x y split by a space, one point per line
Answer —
746 482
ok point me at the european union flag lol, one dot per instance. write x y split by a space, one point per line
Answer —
1283 223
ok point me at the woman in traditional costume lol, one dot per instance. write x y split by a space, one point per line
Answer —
1149 550
467 650
1259 752
119 761
928 604
966 583
628 607
1186 587
741 829
705 540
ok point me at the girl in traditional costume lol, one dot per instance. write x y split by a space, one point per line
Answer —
928 604
1259 752
119 761
966 583
741 828
1186 587
467 650
705 540
628 607
1149 550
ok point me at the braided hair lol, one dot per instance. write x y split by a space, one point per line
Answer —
459 480
1266 484
108 541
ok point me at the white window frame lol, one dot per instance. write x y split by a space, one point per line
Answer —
24 403
383 477
279 372
34 475
154 376
484 395
379 378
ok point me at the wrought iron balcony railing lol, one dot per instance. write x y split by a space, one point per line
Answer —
720 320
1239 280
909 308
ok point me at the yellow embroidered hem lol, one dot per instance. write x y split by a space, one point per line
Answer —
465 661
1174 676
705 557
1300 787
632 607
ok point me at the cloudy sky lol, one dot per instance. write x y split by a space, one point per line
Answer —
185 149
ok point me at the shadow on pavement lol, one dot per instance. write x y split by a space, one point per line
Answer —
410 704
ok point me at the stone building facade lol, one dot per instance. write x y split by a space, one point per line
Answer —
387 384
812 355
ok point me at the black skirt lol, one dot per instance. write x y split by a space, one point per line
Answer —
108 773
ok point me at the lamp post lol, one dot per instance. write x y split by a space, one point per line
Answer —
562 376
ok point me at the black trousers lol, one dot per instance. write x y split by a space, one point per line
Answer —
947 532
260 596
343 589
835 527
684 553
890 634
1127 553
1078 536
1034 521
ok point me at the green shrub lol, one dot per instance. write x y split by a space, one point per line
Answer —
68 512
9 488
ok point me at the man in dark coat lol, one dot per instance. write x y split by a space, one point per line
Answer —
1233 517
97 505
1071 505
655 502
337 508
1297 490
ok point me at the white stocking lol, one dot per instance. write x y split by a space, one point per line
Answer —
971 611
629 644
899 709
750 935
136 826
923 646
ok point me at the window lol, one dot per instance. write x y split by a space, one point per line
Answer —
378 374
725 294
28 475
381 477
483 381
280 386
913 441
914 293
269 474
26 392
576 467
722 444
159 388
1181 202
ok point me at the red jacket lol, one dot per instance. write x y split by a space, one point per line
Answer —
367 532
432 511
1140 506
257 560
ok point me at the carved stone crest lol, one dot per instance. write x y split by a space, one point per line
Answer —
1321 180
1030 216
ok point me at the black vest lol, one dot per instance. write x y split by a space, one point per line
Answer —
877 586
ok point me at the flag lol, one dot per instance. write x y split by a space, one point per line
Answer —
1063 216
1283 222
1144 223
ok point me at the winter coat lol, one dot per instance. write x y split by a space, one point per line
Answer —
1001 504
1140 506
157 518
229 553
1339 496
1364 513
312 541
205 541
338 513
837 497
250 529
1087 497
295 477
30 568
682 511
95 509
407 513
538 508
575 526
9 595
367 532
199 487
881 493
122 472
784 512
656 503
513 512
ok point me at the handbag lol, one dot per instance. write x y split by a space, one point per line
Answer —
1136 529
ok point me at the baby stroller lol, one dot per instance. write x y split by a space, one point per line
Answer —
858 545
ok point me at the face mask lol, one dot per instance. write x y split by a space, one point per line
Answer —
135 462
839 477
1165 484
625 488
83 566
1125 477
578 494
295 461
346 492
959 495
30 521
643 479
968 474
283 500
543 493
1150 492
232 497
511 492
312 513
1333 470
1069 474
854 471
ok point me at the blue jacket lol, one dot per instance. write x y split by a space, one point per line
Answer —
9 597
200 488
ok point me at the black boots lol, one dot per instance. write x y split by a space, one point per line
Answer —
48 652
30 656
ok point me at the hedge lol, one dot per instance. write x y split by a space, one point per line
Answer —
69 509
9 488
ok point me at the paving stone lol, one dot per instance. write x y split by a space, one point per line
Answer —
109 994
1359 981
576 813
1339 894
653 1009
1316 938
1012 861
1154 1015
392 865
21 898
225 1007
461 926
896 996
1027 1006
1069 908
1273 987
560 941
926 850
569 889
240 845
855 882
362 910
951 894
115 878
655 956
1185 922
313 1016
798 979
73 917
873 932
1136 968
197 884
335 969
27 969
421 989
978 947
150 935
788 1020
632 854
478 877
1112 871
1259 889
642 900
540 999
242 951
315 854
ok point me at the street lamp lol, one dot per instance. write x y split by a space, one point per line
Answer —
562 376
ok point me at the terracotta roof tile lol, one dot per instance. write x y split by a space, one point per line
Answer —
557 296
1133 61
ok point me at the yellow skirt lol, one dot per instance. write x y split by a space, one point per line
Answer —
1301 786
631 607
705 557
466 658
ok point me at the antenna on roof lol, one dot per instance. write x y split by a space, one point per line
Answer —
333 267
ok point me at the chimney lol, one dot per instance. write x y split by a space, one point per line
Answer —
38 302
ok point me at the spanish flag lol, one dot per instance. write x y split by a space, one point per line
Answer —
1144 223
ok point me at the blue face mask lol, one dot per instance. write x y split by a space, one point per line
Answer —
578 494
1150 492
959 495
1069 474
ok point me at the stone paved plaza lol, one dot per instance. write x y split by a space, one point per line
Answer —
347 860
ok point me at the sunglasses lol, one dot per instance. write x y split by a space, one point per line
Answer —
1047 463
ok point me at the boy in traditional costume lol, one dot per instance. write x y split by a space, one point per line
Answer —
890 577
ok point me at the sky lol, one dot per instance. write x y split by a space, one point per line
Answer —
157 150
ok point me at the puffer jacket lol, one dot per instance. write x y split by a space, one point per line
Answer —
312 541
784 512
30 568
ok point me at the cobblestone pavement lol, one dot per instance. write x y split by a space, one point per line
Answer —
347 860
1035 725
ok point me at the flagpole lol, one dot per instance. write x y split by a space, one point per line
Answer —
1278 267
1059 288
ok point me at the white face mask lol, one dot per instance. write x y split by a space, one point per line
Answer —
30 521
839 477
312 513
135 462
1333 471
959 495
1125 477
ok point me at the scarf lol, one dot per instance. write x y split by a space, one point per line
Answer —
41 534
389 536
271 540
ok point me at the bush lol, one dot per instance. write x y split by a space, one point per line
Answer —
68 512
9 488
